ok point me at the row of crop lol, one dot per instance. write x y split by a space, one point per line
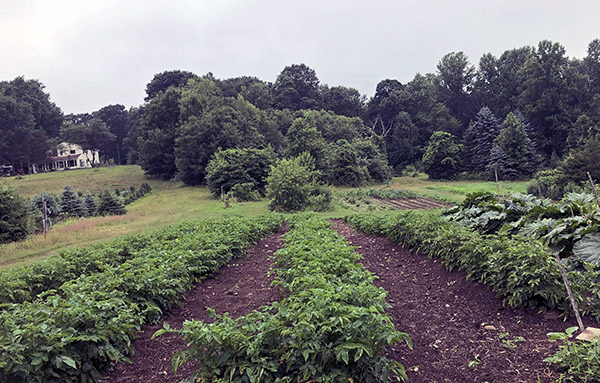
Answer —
70 334
331 325
24 283
521 271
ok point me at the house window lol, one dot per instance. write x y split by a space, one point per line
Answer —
72 163
81 163
72 151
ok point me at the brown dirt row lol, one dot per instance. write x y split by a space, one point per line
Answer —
239 288
460 329
413 203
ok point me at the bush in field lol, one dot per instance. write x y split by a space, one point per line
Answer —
239 166
293 186
15 218
244 192
442 157
70 203
110 204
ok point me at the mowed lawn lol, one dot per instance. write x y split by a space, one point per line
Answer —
169 202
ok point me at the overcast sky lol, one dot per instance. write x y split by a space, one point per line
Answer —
90 54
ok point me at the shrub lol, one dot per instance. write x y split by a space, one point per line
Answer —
239 166
15 216
442 157
293 186
244 192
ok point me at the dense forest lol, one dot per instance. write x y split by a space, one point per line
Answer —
530 109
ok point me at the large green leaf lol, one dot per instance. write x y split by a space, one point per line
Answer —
588 249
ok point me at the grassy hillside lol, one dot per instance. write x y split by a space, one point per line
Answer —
92 180
168 203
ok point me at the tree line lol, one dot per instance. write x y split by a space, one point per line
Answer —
529 108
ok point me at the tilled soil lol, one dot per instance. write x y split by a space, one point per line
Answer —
460 330
412 203
239 288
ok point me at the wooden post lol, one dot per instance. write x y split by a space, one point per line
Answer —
45 225
497 183
593 188
571 298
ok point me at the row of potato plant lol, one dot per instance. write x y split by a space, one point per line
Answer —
71 333
330 325
521 271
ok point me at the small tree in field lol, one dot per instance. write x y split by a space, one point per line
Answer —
15 219
70 203
293 186
110 204
442 157
89 203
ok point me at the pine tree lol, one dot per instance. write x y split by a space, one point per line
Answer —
90 204
110 204
499 163
479 139
70 203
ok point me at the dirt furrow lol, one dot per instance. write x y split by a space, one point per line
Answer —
461 331
239 288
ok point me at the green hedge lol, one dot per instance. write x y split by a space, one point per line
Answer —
88 323
331 325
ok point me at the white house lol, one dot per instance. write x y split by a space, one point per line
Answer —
68 156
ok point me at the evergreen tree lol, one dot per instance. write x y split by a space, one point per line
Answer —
516 145
498 163
89 203
52 207
479 139
110 204
70 203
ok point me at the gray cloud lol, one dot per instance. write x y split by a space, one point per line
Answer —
91 54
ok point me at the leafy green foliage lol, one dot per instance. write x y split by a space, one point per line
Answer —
293 185
442 157
331 325
239 166
580 360
81 324
15 218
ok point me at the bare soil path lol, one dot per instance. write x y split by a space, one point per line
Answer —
460 331
239 288
412 203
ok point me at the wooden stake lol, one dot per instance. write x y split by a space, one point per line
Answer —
593 188
45 224
570 293
497 183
